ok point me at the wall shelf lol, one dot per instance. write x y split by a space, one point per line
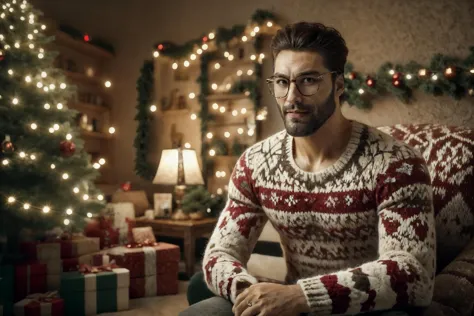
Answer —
66 40
226 97
82 78
84 107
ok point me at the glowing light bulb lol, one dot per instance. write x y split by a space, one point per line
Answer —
250 132
212 152
193 116
111 130
17 45
28 79
226 134
65 176
33 126
66 222
252 34
243 111
43 27
96 165
219 191
46 89
215 106
53 166
5 162
102 161
186 63
51 130
22 154
175 66
10 72
214 86
192 95
231 57
361 91
217 66
434 77
75 190
15 101
40 55
408 76
26 206
39 85
44 74
240 131
211 35
209 135
59 106
249 72
187 145
235 112
222 109
68 136
269 24
100 197
205 47
46 209
193 56
56 127
85 197
253 57
256 29
69 211
11 199
108 84
89 215
32 46
156 54
153 108
47 106
226 54
199 51
244 38
228 86
32 157
239 73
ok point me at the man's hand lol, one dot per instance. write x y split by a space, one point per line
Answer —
268 299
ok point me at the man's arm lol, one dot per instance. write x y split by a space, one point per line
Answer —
403 275
234 237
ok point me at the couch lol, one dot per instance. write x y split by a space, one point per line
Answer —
449 153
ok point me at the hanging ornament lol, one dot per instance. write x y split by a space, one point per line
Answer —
423 73
396 76
7 145
396 83
205 39
352 75
450 72
160 47
67 148
87 38
370 81
2 56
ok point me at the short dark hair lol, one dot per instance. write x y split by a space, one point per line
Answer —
315 37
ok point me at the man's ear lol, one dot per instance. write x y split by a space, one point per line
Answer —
339 85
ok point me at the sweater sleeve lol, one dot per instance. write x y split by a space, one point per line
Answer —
403 274
235 235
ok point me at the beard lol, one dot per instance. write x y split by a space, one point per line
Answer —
315 117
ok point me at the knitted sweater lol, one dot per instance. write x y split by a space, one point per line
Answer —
357 236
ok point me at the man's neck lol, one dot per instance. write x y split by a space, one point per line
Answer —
323 148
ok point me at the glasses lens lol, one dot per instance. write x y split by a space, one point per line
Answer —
308 85
278 87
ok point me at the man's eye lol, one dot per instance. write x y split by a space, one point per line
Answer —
281 82
308 80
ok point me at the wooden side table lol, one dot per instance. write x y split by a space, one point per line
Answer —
189 230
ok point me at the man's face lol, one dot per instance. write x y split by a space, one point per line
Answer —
307 107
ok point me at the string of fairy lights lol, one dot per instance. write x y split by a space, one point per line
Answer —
14 43
246 70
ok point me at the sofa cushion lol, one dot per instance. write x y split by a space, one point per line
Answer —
449 153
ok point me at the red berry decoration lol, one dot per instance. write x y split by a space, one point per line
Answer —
370 82
205 39
87 38
67 148
352 75
396 76
396 83
126 186
160 47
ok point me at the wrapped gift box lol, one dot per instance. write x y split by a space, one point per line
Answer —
73 248
153 269
40 305
94 293
7 289
29 278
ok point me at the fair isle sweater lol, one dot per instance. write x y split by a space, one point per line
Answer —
357 236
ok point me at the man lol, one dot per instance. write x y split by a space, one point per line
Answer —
353 207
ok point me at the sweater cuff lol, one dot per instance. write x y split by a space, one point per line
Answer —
240 278
316 295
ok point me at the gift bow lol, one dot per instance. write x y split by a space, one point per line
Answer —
43 297
86 268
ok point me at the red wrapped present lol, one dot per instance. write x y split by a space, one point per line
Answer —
29 278
104 230
153 268
71 248
40 304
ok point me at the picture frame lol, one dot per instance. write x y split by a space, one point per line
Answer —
163 204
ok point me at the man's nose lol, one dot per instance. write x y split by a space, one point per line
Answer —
294 94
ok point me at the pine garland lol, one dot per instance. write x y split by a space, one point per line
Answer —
145 83
445 75
78 35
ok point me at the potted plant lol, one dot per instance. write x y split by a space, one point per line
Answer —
196 201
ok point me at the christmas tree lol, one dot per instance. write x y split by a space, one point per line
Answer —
46 178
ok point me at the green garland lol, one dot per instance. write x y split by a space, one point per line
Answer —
445 75
78 35
145 84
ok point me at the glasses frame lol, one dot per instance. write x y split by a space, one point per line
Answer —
272 79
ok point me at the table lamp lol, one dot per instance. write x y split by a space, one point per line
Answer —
179 167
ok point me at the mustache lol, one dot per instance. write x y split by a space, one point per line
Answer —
297 107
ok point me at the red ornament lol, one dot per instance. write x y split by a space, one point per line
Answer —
126 186
370 82
396 76
2 56
67 148
86 38
7 145
352 75
160 47
450 72
204 39
396 83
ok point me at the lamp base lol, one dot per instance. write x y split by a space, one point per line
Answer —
179 215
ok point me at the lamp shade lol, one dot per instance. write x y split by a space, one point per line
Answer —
178 167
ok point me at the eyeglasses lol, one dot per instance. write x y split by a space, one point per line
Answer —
307 85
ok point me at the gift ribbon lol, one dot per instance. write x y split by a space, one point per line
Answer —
86 268
43 297
147 243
